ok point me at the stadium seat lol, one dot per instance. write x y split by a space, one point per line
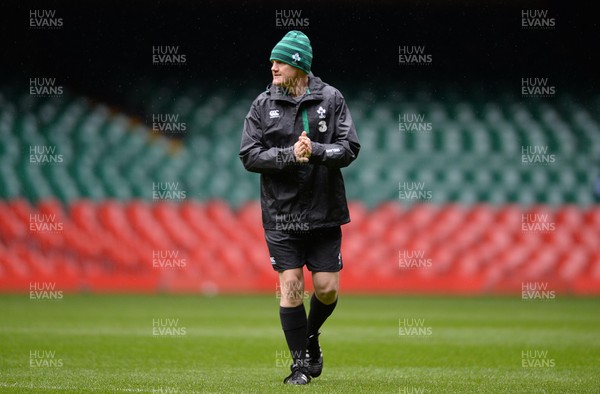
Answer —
470 161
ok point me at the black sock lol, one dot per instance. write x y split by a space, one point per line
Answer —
293 322
319 312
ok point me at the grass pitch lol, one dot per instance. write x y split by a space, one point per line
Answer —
234 344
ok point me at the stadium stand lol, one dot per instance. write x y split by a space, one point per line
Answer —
88 217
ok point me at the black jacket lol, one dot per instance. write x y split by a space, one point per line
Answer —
311 195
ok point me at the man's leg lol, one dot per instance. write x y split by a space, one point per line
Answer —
324 260
286 252
322 304
292 312
323 300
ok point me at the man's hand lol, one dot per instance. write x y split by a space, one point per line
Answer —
303 148
306 143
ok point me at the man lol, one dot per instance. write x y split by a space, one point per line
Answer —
297 135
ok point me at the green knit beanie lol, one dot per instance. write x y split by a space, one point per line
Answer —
294 49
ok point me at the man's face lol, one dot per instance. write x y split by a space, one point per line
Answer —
285 75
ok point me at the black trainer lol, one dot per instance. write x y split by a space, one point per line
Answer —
299 375
314 355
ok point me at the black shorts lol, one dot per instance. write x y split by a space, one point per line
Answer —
319 249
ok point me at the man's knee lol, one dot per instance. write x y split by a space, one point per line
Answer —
291 287
327 296
326 288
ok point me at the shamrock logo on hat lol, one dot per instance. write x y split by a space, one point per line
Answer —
296 57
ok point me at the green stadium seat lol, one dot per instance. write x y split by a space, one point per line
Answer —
473 149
